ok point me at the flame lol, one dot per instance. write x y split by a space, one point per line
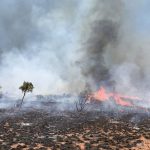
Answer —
103 95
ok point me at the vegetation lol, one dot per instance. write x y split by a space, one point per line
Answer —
82 101
26 87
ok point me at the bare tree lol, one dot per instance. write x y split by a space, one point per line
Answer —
81 101
26 87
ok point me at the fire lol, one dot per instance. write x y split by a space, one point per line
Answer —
103 95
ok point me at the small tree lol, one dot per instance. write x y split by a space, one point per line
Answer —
26 87
82 101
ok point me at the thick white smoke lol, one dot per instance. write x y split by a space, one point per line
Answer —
39 43
117 50
62 45
128 61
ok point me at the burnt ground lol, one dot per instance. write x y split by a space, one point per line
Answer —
37 129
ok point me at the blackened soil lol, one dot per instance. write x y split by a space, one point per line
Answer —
36 129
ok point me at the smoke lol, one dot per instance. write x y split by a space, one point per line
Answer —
105 32
116 50
128 61
104 22
62 46
39 40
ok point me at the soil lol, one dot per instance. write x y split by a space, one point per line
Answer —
37 129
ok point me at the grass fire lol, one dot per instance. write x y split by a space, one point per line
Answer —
86 72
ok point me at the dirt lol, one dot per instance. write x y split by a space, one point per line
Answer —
40 130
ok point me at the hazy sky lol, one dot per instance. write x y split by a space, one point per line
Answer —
43 41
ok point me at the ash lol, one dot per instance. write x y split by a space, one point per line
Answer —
49 125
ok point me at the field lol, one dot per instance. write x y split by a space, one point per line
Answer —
37 129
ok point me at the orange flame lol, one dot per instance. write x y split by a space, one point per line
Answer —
103 95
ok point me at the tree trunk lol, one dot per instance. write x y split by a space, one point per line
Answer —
22 99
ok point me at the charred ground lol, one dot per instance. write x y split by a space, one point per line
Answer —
32 128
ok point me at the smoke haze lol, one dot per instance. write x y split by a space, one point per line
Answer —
62 46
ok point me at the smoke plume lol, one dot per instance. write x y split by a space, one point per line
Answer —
62 46
116 52
38 44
